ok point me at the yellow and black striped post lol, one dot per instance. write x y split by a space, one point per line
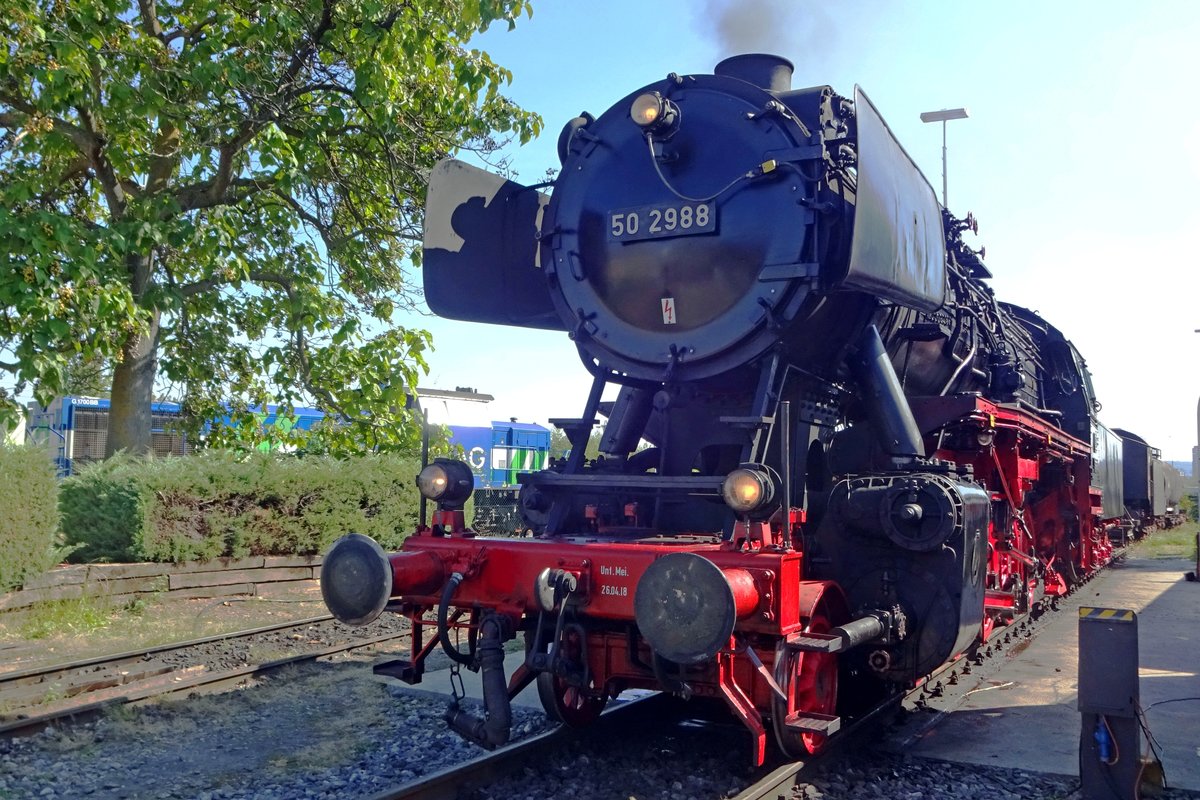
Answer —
1109 739
1109 614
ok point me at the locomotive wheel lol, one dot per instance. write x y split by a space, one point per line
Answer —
567 704
1069 573
810 681
986 627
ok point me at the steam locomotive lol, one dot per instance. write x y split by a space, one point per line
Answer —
861 462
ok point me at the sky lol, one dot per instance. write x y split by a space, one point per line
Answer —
1080 158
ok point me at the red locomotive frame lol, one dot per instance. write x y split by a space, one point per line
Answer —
779 645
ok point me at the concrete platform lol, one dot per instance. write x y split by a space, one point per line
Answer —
1024 714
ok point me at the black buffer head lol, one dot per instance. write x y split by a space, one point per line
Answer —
356 579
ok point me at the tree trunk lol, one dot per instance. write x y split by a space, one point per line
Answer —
129 417
132 392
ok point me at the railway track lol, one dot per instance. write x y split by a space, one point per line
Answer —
921 708
462 779
33 698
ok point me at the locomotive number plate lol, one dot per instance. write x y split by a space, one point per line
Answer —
661 221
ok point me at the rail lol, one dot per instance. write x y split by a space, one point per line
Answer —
459 780
163 683
44 674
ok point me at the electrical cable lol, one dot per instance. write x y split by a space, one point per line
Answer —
1108 776
654 160
1116 747
1151 742
1172 700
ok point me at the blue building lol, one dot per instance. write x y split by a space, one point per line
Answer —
75 429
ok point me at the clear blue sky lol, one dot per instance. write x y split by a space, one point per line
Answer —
1081 160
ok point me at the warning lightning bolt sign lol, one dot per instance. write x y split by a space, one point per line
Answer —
668 310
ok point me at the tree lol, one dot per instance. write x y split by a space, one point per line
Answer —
560 445
224 193
87 376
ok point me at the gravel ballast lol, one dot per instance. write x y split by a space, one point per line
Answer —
713 766
331 730
322 731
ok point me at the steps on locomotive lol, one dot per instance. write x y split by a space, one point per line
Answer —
813 722
439 682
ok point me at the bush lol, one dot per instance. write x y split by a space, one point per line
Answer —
1187 503
101 507
28 514
217 504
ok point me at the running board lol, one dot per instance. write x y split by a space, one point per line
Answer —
816 642
401 670
812 722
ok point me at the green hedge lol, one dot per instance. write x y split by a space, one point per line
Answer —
28 514
218 504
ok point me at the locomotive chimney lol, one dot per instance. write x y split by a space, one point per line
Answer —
772 73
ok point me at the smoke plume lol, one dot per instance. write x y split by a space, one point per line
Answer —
795 29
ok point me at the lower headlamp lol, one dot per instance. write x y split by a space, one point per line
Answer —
749 490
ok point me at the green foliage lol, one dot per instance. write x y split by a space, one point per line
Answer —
219 504
1187 504
89 376
236 187
28 514
101 508
74 616
560 445
1178 542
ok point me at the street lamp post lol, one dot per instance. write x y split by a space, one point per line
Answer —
1196 468
944 116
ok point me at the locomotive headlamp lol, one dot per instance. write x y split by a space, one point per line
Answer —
646 109
986 437
446 482
653 112
748 489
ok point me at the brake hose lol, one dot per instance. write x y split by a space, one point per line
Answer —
443 624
